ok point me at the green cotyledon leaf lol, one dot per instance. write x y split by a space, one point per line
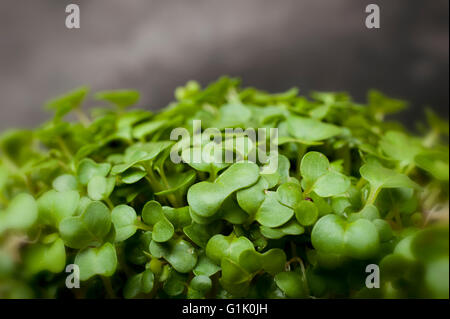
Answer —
232 212
320 178
133 175
200 234
292 227
140 153
45 256
292 284
120 98
306 213
199 286
273 261
100 188
153 215
381 177
220 246
179 217
175 283
55 206
180 254
205 198
251 198
400 147
124 219
434 162
67 102
210 159
312 130
272 213
90 228
333 234
21 213
97 261
147 128
140 283
289 194
178 181
205 266
235 279
65 182
87 169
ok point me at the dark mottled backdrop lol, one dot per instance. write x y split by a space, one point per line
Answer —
156 45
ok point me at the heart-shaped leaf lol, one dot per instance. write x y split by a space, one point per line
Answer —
97 261
99 187
205 267
320 178
45 256
21 214
199 286
205 198
153 215
175 283
220 247
306 213
124 219
358 239
273 261
179 254
87 169
140 283
65 183
310 129
55 206
289 194
251 198
272 213
292 284
90 228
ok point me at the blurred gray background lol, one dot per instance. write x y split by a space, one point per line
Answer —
154 46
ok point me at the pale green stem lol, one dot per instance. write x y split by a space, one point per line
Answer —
109 203
172 199
360 183
82 117
140 225
64 148
373 196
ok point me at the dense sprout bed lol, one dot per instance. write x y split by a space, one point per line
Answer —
102 192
